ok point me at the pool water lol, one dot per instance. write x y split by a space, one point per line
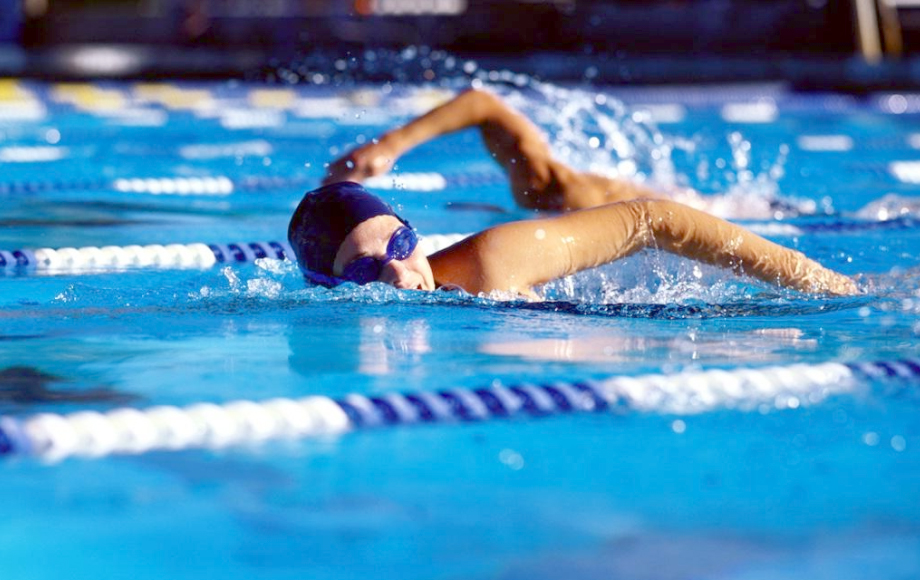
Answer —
821 490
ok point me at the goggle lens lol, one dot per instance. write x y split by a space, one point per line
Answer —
367 269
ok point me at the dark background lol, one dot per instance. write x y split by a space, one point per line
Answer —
809 42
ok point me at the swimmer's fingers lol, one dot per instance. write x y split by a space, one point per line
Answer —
845 286
833 283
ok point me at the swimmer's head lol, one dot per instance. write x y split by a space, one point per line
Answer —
382 248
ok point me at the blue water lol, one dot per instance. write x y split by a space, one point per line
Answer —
821 491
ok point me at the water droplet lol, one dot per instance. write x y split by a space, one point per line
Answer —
511 458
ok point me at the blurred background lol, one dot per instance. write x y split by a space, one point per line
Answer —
836 43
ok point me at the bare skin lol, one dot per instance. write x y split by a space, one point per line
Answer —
517 256
537 180
370 238
614 217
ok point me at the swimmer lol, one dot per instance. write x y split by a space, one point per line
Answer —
538 181
342 233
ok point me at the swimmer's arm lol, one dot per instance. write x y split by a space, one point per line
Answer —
694 234
520 255
516 256
538 181
505 131
510 137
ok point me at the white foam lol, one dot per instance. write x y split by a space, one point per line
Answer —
890 206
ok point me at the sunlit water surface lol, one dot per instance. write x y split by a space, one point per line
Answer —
818 491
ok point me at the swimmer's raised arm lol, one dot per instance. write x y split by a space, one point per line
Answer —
502 128
517 256
537 180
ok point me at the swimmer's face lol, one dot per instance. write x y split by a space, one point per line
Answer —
370 238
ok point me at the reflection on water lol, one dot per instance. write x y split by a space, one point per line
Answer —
343 339
750 346
386 342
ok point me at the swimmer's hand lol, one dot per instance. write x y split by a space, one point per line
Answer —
832 283
366 161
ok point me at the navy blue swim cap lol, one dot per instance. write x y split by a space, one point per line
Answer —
323 219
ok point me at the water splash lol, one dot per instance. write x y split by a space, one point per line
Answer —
890 207
655 278
899 284
590 130
598 133
747 193
647 286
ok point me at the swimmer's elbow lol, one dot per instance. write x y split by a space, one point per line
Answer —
648 221
675 227
481 104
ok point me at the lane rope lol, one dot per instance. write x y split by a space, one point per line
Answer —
93 259
92 434
220 185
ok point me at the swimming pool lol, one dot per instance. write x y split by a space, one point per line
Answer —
750 483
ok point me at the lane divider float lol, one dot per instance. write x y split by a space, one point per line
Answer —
53 437
93 259
220 185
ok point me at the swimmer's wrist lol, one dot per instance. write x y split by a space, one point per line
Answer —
395 141
412 134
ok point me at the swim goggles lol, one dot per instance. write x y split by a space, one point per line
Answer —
367 269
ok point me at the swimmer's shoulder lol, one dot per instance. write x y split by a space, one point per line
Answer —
457 266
